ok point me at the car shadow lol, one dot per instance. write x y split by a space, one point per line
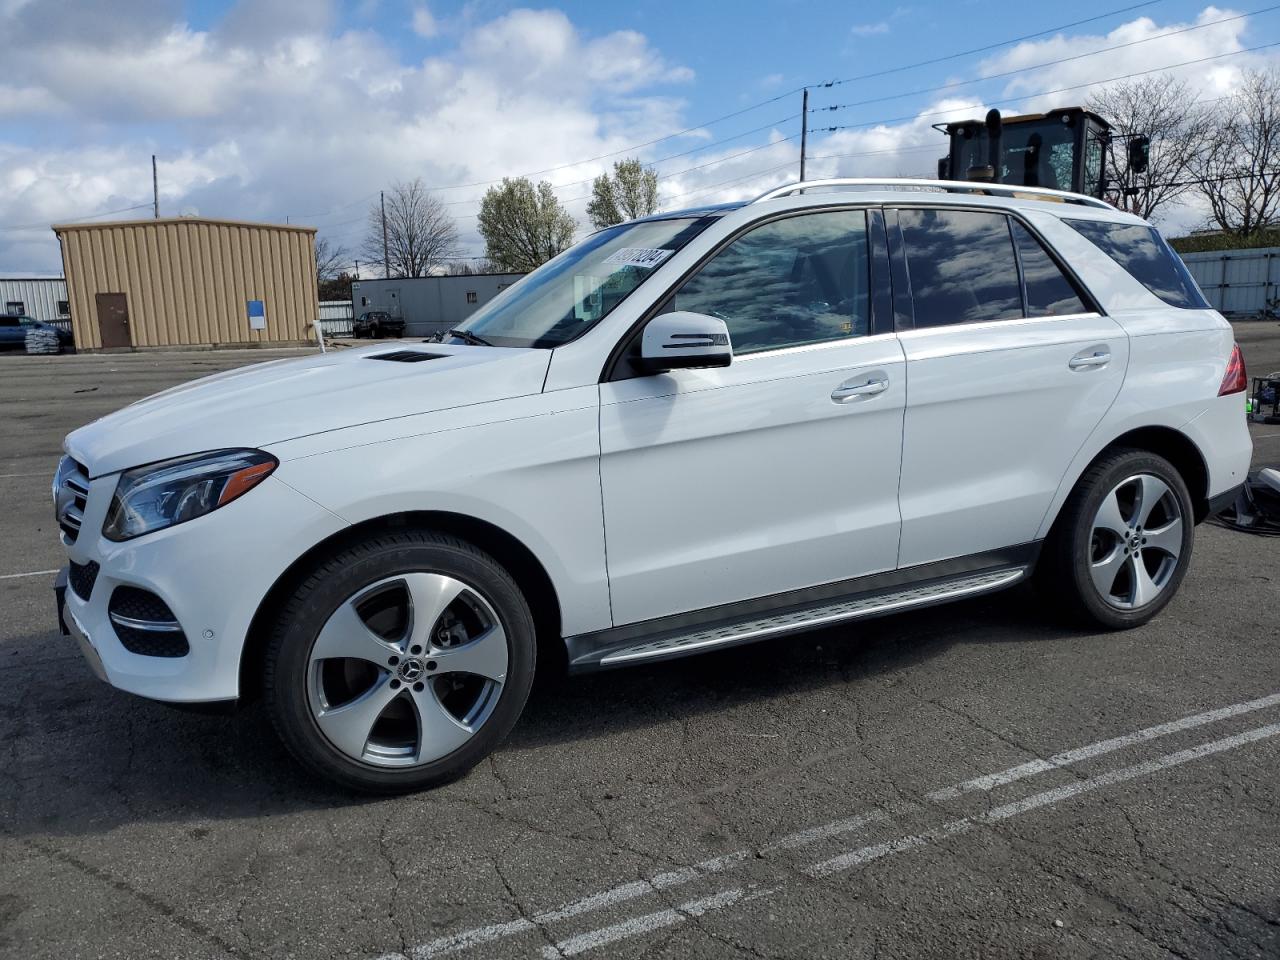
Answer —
88 759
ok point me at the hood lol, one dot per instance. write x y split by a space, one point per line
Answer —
266 403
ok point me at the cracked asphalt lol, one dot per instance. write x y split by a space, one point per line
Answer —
973 781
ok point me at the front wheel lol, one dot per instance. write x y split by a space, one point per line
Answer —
1122 544
400 663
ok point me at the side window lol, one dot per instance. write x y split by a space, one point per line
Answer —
1145 257
962 266
802 279
1049 292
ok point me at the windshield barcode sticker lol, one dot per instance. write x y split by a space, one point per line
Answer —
647 257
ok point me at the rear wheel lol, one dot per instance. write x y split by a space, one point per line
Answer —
400 663
1123 542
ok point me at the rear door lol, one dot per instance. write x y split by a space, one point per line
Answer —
1010 366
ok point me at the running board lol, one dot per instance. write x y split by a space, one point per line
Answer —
717 636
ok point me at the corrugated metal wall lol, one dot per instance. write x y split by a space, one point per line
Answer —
1237 282
40 296
187 280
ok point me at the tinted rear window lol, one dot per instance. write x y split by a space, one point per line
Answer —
1049 292
1147 258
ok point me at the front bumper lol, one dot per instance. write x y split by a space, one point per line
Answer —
212 572
70 626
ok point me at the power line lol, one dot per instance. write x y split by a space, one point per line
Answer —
1047 63
1046 93
90 216
984 49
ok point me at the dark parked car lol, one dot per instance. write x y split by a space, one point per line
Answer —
14 328
377 323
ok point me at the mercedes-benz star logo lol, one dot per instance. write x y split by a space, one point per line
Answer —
411 670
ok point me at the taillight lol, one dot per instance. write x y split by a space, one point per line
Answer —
1234 380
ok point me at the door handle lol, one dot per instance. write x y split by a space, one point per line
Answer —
853 391
1095 357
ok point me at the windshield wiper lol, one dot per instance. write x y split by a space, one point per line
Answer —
469 338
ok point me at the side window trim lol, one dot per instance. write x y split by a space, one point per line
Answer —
904 316
616 366
1022 273
881 273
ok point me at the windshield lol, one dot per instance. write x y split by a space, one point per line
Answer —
567 296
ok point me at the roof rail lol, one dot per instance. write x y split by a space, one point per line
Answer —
949 186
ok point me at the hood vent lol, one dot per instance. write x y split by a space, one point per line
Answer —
405 356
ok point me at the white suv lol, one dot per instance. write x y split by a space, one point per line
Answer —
689 431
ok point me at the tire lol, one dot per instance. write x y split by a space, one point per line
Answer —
370 699
375 332
398 333
1130 514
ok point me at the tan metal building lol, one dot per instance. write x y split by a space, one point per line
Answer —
189 281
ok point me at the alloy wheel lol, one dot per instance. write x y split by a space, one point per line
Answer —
1136 541
407 670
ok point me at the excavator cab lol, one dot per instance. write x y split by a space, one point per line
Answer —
1063 149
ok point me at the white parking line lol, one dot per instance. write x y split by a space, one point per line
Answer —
643 924
33 573
1068 757
856 858
638 888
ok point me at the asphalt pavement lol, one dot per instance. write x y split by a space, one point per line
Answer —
973 781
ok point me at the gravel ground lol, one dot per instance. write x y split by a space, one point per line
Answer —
973 781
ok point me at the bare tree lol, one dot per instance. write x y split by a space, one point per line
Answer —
468 268
420 233
631 192
1164 109
1239 172
331 259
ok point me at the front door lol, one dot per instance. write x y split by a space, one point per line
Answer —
780 471
113 320
1009 368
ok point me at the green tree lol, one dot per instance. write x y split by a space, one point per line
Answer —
523 226
631 192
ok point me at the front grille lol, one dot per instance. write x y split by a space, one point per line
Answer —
82 577
145 624
72 495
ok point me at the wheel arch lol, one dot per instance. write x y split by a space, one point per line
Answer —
521 562
1168 442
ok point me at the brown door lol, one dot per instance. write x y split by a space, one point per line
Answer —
113 320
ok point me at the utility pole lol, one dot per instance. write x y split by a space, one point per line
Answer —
804 128
155 189
386 260
357 276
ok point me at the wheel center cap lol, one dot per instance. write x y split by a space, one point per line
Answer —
411 669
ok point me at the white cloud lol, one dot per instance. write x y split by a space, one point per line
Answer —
423 23
311 122
869 29
274 113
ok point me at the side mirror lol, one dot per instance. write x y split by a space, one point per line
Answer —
682 340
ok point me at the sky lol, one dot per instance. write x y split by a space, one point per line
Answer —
302 110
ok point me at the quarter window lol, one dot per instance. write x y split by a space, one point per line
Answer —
962 266
799 280
1147 258
1049 292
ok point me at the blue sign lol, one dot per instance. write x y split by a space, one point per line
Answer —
257 315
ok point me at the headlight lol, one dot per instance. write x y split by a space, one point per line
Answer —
162 494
